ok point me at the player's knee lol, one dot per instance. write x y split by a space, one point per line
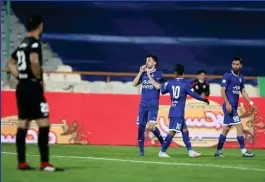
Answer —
23 124
172 132
225 131
43 122
239 129
151 126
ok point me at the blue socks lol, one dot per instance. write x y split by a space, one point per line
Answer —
141 130
221 142
167 142
158 135
241 142
186 140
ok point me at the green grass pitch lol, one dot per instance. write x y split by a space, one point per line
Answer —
122 164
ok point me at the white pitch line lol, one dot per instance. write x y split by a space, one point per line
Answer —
150 162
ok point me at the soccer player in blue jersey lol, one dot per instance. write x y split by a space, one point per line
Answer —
178 89
232 84
150 78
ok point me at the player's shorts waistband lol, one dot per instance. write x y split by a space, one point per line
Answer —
176 117
149 107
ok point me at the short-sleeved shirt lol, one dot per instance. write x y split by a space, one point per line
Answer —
178 90
234 85
22 56
150 95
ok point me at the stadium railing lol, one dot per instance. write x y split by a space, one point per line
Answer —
108 75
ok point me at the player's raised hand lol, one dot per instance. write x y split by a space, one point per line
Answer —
229 108
148 71
142 68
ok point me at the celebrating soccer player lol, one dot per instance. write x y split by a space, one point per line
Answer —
150 78
179 89
232 84
25 64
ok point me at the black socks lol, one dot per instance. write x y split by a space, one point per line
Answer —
43 143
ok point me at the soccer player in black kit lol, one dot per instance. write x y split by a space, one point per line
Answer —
25 64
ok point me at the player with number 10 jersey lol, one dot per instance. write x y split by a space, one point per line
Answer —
178 90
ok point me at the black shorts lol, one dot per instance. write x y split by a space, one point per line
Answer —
31 102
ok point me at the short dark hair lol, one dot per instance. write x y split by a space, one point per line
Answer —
179 69
153 57
236 58
201 71
33 22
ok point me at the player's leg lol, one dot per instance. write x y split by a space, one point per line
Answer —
22 129
186 140
240 135
141 122
152 116
174 126
227 123
23 125
40 113
221 140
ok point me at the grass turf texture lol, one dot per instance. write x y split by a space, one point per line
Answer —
114 164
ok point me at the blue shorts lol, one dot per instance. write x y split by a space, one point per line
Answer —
177 124
146 115
232 118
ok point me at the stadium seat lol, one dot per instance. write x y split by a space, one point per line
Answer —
82 87
45 76
65 68
62 86
48 85
57 77
215 89
251 90
73 78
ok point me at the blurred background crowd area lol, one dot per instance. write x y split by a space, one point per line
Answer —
98 47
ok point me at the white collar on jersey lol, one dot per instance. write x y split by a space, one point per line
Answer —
179 78
153 70
234 73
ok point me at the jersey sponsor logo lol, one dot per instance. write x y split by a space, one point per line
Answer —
23 45
35 45
146 84
236 90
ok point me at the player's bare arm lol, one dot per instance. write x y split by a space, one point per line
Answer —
12 67
246 96
137 78
154 83
35 65
228 105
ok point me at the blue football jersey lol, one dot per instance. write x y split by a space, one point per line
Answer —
234 85
178 90
150 95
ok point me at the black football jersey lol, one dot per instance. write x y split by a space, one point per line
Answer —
22 56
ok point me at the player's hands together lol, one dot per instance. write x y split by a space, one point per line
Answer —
142 69
206 101
229 107
148 71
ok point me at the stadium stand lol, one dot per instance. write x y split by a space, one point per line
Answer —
110 41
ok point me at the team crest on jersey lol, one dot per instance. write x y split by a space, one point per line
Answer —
196 87
204 86
240 80
224 81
